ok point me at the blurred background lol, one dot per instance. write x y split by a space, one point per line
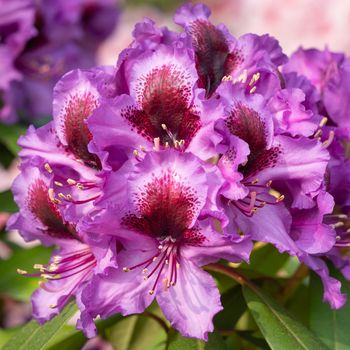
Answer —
307 23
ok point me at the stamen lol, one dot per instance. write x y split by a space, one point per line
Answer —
330 139
57 183
280 198
227 78
337 224
48 168
254 79
323 121
21 272
71 182
252 90
156 142
318 133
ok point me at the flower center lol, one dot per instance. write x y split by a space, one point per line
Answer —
166 208
164 96
78 136
44 208
213 57
246 124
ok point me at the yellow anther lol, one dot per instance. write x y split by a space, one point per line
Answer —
337 224
254 79
252 90
280 198
226 78
156 142
21 272
48 168
323 121
56 259
329 140
318 133
57 183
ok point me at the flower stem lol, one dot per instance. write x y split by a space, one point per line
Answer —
228 271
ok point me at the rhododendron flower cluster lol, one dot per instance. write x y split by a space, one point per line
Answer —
194 146
39 42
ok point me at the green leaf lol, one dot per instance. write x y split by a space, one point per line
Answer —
70 338
330 325
7 204
266 260
234 307
253 339
9 135
215 342
35 337
279 328
137 332
18 286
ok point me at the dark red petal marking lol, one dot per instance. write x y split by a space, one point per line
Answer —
213 57
76 131
261 160
246 124
41 206
165 98
166 208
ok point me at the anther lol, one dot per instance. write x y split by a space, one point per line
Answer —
156 142
56 259
21 272
280 198
48 168
269 183
254 79
254 182
39 267
135 152
226 78
318 133
323 121
125 269
71 182
329 140
52 306
57 183
151 292
252 90
337 224
145 270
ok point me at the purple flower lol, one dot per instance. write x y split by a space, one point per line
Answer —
165 226
330 73
43 40
62 146
162 108
219 55
73 264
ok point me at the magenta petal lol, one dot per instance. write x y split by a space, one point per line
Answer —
191 304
